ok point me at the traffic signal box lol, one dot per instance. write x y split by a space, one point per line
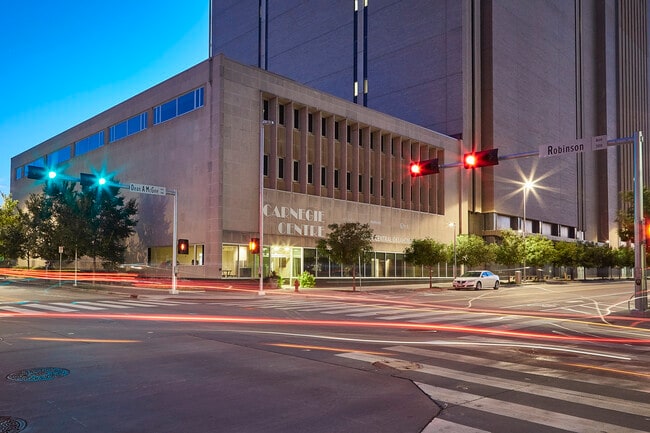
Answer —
254 246
484 158
87 179
183 246
39 173
423 168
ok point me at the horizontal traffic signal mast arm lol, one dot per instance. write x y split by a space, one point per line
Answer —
501 158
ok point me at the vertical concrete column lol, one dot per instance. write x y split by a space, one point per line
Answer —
317 150
376 169
271 137
366 166
398 173
425 181
288 146
354 146
331 159
342 148
415 181
302 150
405 186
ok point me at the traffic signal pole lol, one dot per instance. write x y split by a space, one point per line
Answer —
174 291
640 283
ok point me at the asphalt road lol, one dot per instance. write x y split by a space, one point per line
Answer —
535 358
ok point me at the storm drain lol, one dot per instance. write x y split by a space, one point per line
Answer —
11 425
37 375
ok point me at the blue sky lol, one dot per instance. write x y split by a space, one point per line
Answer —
66 61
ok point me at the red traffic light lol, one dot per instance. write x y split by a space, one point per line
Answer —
183 246
484 158
254 246
423 168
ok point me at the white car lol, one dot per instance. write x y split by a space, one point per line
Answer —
476 280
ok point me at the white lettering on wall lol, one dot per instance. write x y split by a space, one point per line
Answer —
302 222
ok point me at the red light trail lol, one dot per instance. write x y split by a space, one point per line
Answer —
334 323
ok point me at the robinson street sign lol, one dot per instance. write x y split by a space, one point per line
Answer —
581 145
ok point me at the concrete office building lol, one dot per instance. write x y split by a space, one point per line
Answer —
325 160
506 74
384 82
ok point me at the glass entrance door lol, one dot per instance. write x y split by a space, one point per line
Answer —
286 262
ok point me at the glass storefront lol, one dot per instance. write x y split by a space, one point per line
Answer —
289 262
162 256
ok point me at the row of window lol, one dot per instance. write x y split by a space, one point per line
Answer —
337 126
176 107
323 177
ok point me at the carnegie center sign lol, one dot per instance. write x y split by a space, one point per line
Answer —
297 221
308 222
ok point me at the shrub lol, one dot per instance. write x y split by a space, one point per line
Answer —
307 280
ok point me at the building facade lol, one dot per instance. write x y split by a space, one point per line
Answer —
344 95
325 160
505 74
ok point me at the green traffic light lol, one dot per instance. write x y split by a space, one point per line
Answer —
101 181
51 174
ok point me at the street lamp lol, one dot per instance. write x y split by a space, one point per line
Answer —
528 185
261 216
454 227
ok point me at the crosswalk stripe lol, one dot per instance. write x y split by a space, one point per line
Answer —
83 307
324 306
339 308
439 425
472 319
283 306
412 315
135 303
161 303
602 402
522 368
374 313
17 310
532 414
104 304
513 326
50 308
350 310
303 307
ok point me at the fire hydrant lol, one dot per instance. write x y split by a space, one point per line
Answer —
296 286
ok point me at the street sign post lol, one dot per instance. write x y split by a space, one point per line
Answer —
161 190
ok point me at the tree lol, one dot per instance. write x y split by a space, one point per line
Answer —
510 251
346 244
624 257
625 217
12 230
567 254
427 253
93 221
110 222
472 250
539 250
